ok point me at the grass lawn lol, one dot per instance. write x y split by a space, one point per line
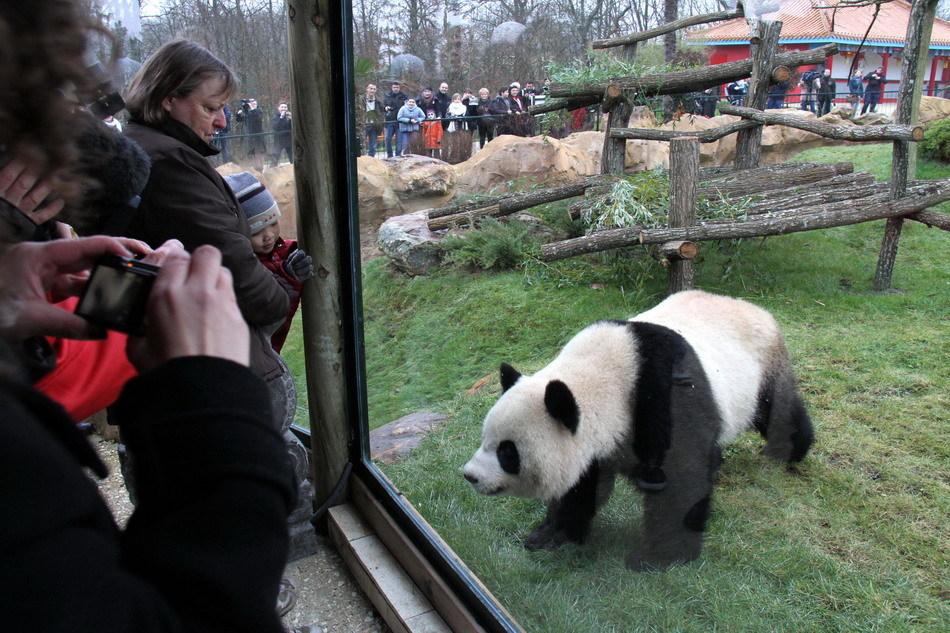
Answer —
856 539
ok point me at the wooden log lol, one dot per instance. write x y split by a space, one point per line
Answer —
837 214
693 79
932 218
853 133
316 60
511 203
612 96
614 155
771 178
680 249
919 29
669 27
819 197
552 105
749 142
684 178
781 73
705 136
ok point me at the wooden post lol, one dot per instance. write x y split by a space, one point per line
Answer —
615 149
684 176
749 142
904 160
316 65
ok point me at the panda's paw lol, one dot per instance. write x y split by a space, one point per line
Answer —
545 537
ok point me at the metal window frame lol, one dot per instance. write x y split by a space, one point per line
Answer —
329 24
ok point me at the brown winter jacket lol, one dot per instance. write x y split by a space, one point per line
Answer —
186 199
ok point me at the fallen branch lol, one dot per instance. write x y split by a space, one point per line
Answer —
855 133
669 27
551 104
771 178
839 214
932 219
693 79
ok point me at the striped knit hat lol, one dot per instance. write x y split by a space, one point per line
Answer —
258 204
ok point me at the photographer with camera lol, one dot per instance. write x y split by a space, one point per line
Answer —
253 121
206 546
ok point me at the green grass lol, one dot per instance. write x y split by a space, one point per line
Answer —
856 539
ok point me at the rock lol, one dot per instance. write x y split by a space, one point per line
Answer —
644 155
837 117
409 244
377 198
872 118
394 441
416 177
642 116
695 123
280 182
537 159
843 111
726 146
933 109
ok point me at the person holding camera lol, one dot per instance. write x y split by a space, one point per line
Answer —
283 137
395 100
253 120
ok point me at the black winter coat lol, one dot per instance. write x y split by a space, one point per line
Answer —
186 199
206 546
393 102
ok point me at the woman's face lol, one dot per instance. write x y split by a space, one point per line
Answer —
202 110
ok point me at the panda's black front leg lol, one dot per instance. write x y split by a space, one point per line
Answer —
569 518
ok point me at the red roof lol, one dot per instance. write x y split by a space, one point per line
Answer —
803 20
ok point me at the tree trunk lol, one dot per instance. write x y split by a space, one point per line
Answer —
669 27
466 213
316 60
919 29
771 178
684 177
829 216
705 136
613 157
853 133
694 79
552 105
749 142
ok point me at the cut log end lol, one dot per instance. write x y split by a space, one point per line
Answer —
917 133
679 250
781 73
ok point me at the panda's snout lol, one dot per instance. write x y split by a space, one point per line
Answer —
470 478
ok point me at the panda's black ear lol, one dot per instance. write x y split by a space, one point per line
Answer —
561 405
509 376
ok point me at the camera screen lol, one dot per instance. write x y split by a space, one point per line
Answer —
115 298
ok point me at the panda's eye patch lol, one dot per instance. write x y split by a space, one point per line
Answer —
508 457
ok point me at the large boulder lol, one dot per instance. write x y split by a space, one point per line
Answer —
539 159
394 186
642 116
933 109
872 118
409 244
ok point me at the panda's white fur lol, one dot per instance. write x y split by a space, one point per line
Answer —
737 343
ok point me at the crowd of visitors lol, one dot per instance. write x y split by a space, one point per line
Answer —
434 123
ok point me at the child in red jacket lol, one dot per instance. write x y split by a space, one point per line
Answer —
289 265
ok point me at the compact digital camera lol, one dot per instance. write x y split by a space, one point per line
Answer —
117 294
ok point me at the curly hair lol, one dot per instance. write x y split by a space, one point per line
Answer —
42 45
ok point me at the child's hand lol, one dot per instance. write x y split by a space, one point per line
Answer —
299 265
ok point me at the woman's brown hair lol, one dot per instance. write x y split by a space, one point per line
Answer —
41 55
174 70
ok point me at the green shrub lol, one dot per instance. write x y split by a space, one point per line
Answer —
495 245
936 143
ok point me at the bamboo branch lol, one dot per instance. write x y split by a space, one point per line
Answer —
669 27
854 133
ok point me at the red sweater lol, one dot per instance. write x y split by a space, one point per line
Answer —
274 262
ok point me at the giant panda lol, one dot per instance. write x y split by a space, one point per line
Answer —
653 398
